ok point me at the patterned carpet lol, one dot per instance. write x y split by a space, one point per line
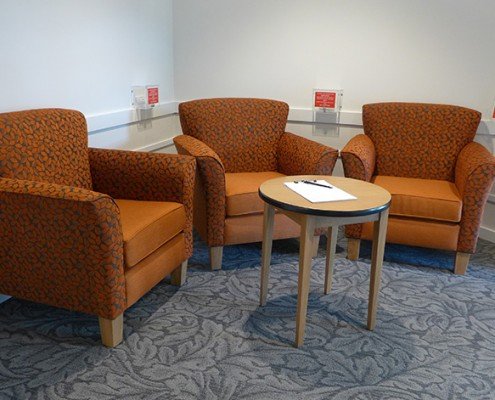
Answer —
435 335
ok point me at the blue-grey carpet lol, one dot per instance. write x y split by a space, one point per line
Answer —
434 339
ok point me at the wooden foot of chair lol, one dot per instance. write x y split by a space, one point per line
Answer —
461 263
111 330
316 245
216 254
179 275
353 248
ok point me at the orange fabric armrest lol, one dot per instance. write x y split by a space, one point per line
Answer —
146 176
191 146
358 158
301 156
62 246
212 174
474 175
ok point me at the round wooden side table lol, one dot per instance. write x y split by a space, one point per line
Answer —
371 204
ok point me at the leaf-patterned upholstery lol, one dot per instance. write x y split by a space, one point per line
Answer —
243 132
418 140
429 142
45 145
61 236
242 136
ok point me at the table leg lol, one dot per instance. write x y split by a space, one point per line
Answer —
379 236
305 256
266 251
331 245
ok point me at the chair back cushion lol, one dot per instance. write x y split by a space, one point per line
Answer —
243 132
48 145
419 140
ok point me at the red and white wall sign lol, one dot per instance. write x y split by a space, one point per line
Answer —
325 99
152 93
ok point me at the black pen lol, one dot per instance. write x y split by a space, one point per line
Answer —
317 184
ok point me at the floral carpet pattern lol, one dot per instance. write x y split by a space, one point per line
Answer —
434 339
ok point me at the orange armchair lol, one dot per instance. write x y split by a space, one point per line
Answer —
85 229
239 144
424 155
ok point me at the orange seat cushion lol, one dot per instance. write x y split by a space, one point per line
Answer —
147 225
422 198
241 189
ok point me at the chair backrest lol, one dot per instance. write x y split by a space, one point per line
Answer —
243 132
48 145
419 140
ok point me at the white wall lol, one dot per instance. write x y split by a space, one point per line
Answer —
382 50
86 55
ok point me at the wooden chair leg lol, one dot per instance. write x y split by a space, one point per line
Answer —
353 248
316 245
111 330
461 263
216 254
179 275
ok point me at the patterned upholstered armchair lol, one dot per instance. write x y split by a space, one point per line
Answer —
85 229
424 155
239 144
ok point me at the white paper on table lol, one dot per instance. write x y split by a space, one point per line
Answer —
318 194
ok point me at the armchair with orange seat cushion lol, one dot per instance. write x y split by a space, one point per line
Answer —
85 229
239 143
424 155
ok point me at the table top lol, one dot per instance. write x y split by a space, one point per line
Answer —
371 198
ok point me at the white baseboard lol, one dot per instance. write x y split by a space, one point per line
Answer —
117 118
156 146
355 118
487 234
297 114
113 119
3 298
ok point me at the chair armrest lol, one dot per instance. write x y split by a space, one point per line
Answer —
359 157
211 185
358 160
474 175
189 145
300 156
146 176
61 246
